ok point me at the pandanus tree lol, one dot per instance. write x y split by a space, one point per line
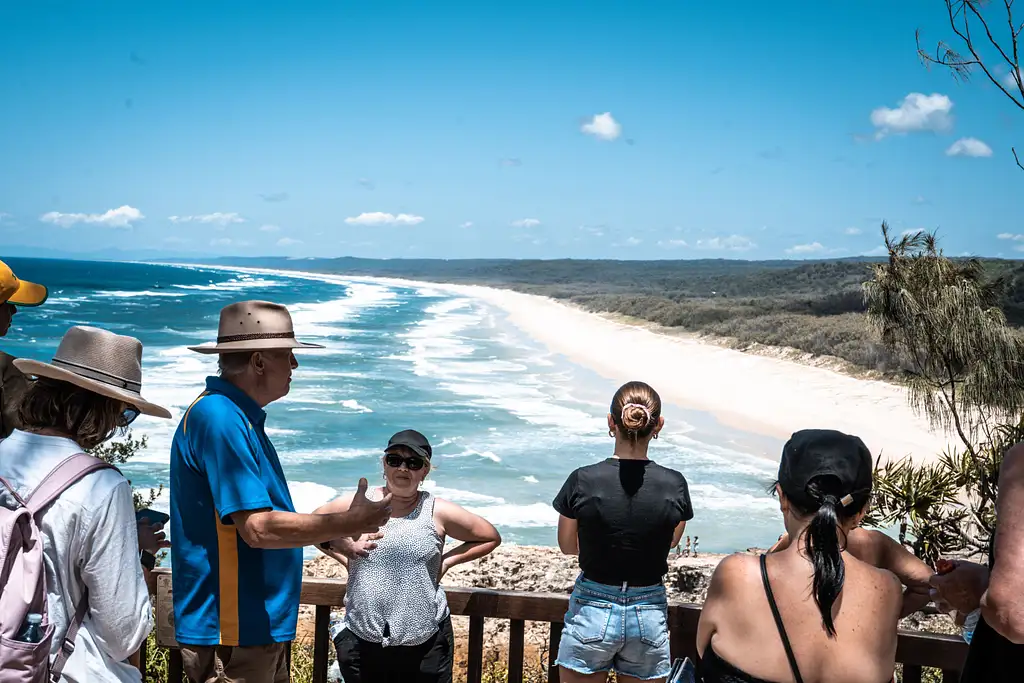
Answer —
963 367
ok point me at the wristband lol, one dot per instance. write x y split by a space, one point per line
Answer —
147 559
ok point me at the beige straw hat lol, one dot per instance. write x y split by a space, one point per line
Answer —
99 361
254 326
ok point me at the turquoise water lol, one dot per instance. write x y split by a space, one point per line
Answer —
508 419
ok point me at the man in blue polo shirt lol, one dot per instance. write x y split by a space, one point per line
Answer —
237 553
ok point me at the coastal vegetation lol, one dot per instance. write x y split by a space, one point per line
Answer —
963 366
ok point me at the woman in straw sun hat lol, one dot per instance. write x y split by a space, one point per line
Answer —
90 391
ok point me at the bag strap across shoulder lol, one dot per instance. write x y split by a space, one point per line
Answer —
778 620
59 479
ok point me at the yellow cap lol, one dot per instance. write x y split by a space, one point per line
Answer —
17 291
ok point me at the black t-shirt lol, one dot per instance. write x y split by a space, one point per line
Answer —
626 511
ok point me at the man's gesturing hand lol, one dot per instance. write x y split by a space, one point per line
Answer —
368 516
360 547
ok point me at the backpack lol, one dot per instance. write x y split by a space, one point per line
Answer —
23 577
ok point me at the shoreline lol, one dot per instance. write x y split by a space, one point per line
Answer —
761 392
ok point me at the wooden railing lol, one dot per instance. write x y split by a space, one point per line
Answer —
915 650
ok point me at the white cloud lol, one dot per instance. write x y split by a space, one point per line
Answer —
381 218
220 242
916 112
730 243
216 218
812 248
969 147
467 224
526 223
1011 237
602 126
121 217
852 231
288 242
628 242
673 244
269 228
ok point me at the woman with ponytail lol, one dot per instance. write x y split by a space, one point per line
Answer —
758 626
621 515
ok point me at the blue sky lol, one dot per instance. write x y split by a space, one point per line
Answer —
528 129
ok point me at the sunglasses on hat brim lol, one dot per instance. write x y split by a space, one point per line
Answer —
412 462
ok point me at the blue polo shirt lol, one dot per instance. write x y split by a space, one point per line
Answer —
226 592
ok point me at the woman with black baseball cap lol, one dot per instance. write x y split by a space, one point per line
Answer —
397 626
757 625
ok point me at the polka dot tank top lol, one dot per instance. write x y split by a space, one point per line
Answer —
393 597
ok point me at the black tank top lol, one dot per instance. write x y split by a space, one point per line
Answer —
992 658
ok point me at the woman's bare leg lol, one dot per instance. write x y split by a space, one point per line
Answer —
570 676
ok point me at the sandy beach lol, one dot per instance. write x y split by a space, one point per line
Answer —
752 392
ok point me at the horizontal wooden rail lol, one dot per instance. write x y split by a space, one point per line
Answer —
915 650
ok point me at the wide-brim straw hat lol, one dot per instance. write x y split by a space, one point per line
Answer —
99 361
254 326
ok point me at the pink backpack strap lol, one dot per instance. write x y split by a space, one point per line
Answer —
53 484
61 477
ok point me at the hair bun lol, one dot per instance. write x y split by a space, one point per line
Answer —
635 417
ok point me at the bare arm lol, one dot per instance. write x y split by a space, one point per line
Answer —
677 535
568 536
717 601
479 536
1002 605
270 529
877 549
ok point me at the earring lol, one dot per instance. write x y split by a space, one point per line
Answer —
611 433
655 435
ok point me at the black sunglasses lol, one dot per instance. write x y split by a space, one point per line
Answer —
413 462
129 415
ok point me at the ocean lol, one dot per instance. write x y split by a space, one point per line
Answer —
508 419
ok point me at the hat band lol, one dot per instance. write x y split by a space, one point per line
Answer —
253 337
99 375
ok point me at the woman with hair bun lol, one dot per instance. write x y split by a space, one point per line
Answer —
758 626
622 516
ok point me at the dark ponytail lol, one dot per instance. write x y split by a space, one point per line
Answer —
826 555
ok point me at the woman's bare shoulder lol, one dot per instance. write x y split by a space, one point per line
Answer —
882 583
736 570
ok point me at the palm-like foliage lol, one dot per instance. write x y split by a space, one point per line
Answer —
964 369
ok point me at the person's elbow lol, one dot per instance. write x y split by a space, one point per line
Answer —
122 635
1003 610
254 528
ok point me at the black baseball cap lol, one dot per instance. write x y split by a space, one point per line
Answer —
412 440
812 453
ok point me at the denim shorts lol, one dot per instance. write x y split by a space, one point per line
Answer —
611 628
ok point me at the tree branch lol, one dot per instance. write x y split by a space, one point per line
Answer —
1015 158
